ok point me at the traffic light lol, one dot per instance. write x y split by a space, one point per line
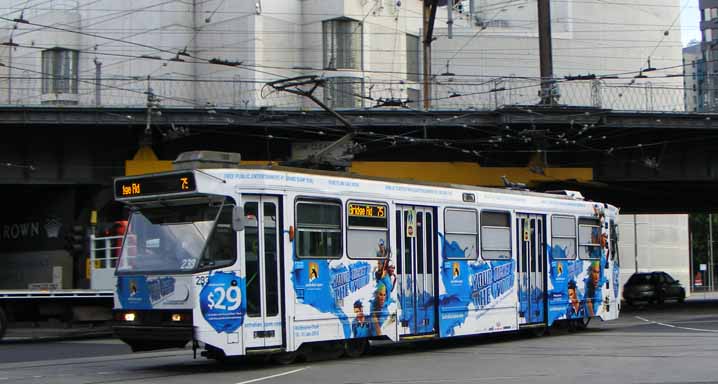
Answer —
76 240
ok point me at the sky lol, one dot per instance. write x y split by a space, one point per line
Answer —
690 20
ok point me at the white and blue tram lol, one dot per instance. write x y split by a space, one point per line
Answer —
248 259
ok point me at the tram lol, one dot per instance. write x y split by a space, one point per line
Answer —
246 259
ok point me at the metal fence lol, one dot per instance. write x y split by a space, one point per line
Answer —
653 95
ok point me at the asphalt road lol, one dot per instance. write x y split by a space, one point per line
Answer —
670 344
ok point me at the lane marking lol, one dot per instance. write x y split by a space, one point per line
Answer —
675 326
272 376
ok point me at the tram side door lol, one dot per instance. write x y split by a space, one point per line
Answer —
531 265
262 236
415 257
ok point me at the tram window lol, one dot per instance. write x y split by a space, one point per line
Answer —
420 242
461 233
589 239
251 259
399 231
270 258
367 230
221 249
495 235
429 243
563 237
319 230
614 242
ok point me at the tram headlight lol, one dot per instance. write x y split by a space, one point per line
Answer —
130 316
176 317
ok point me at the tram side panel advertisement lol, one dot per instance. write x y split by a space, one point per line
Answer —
476 295
584 285
355 298
153 292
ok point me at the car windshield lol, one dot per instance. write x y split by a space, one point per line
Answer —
640 279
167 239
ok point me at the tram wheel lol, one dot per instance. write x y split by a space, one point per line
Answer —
285 358
3 323
355 347
582 323
539 331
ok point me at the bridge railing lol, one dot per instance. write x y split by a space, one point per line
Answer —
653 95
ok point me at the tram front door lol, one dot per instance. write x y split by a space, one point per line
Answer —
415 256
531 265
263 323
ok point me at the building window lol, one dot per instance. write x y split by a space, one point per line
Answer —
342 42
344 92
59 70
412 58
414 98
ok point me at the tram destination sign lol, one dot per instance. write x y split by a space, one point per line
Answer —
367 215
155 185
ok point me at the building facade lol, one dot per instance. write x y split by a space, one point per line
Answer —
709 34
218 53
694 78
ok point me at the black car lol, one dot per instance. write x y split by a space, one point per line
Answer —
652 287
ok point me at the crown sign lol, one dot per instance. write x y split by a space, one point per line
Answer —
52 227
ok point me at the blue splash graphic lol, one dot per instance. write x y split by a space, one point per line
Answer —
223 301
422 320
325 288
466 283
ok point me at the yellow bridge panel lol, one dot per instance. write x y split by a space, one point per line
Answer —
466 173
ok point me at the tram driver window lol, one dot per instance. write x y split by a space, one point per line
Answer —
589 239
319 230
563 238
221 249
462 235
367 230
495 235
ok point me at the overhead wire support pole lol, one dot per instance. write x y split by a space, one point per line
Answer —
429 17
548 94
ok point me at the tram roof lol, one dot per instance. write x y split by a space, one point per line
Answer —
350 175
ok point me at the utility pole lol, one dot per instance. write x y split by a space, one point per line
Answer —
98 82
153 104
635 242
710 251
548 94
428 29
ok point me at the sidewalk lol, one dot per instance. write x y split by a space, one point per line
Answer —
702 296
53 331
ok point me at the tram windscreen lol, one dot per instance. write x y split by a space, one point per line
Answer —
168 239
